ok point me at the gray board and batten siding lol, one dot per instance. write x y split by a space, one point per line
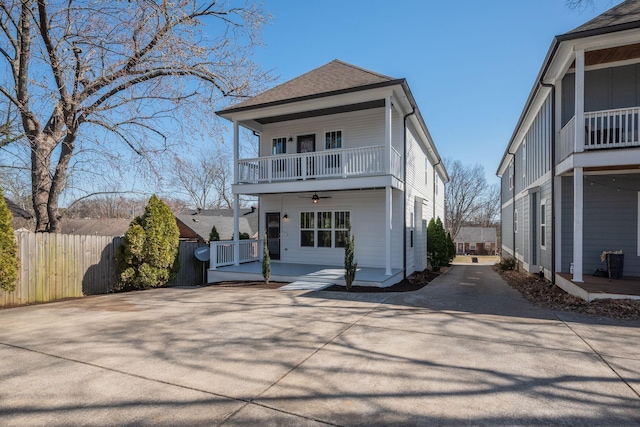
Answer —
604 89
610 215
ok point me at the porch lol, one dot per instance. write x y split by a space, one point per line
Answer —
593 287
304 276
605 129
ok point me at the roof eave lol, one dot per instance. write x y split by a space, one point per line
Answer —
231 110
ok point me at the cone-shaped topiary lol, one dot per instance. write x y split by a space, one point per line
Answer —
148 257
437 248
8 248
350 266
214 236
266 261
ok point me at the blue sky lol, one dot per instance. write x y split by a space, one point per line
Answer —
470 64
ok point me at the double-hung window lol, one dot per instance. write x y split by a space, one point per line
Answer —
325 229
278 146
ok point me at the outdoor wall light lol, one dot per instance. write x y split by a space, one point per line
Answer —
315 199
290 138
285 216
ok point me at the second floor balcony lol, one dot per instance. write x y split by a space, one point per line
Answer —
606 129
335 163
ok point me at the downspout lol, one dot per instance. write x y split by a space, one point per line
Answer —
404 198
553 179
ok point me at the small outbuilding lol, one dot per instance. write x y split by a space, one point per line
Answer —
476 241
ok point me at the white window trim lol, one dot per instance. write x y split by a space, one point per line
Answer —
333 229
472 246
426 171
543 203
515 221
285 145
324 139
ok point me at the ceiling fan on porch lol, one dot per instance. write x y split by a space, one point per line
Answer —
315 198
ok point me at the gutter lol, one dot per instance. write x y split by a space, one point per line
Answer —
404 198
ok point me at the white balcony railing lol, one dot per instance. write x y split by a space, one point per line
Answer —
611 128
602 129
567 140
336 163
223 252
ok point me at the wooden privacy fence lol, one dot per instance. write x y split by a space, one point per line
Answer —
57 266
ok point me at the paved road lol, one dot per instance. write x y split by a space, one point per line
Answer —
465 350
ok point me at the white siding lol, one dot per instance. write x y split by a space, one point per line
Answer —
367 222
359 129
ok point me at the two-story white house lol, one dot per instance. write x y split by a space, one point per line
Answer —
340 148
571 171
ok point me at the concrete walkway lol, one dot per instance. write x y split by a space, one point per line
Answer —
465 350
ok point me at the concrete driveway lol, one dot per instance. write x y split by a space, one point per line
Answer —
465 350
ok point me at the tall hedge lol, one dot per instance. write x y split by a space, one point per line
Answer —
148 257
8 248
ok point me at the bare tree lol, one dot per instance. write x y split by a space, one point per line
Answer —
204 178
487 210
97 77
465 189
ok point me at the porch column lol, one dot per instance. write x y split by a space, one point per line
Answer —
236 150
387 134
579 101
236 229
578 201
388 217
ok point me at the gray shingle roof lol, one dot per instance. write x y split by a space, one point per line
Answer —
16 210
95 226
203 221
626 12
333 77
476 235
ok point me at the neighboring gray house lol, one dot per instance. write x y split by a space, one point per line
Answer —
95 226
196 225
476 241
571 171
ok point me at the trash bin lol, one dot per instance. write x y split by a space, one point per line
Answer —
474 259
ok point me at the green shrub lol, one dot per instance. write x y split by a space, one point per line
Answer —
148 257
266 261
508 263
350 267
214 236
437 248
8 249
451 246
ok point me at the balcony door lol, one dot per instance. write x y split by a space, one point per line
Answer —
306 144
273 234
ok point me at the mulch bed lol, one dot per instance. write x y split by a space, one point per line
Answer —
412 283
542 294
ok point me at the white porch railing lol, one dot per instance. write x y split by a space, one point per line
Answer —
611 128
320 164
602 129
567 140
223 252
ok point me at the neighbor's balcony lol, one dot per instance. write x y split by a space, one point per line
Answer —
603 129
336 163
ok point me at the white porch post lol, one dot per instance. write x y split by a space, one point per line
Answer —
236 197
579 102
578 201
388 218
387 134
